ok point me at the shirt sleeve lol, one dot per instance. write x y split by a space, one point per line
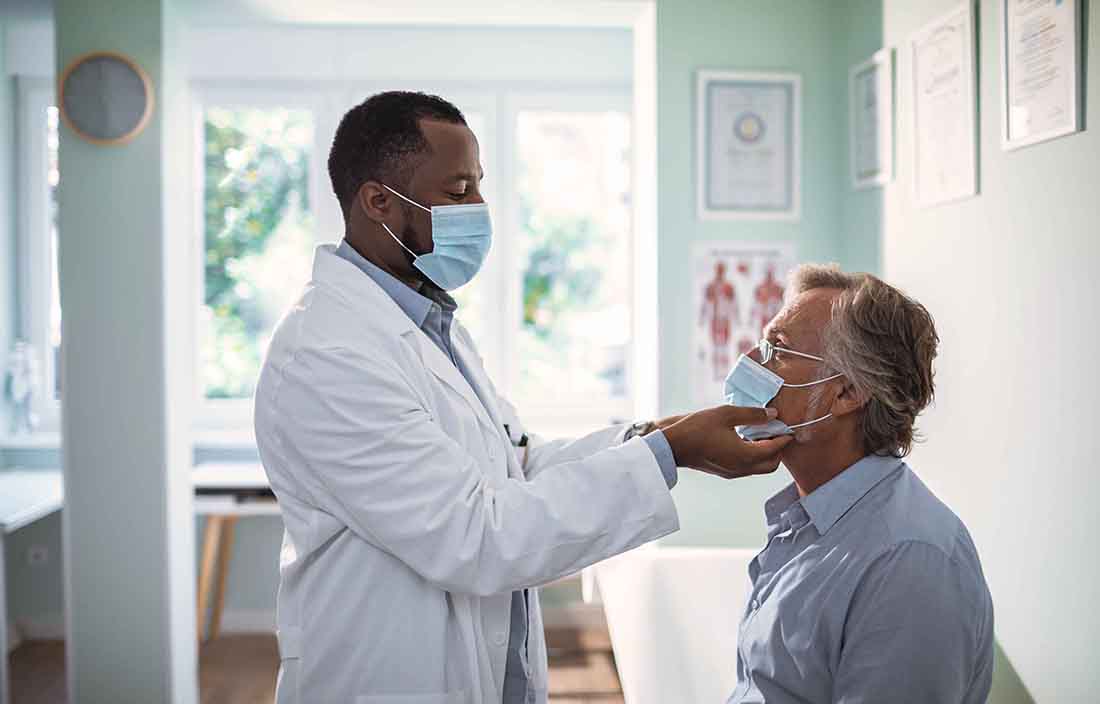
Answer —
919 629
658 443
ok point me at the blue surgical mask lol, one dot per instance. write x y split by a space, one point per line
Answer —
753 385
461 238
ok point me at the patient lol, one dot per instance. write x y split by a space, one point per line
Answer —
869 588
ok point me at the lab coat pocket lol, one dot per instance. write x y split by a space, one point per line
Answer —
455 697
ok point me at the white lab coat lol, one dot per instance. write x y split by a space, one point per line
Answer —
409 518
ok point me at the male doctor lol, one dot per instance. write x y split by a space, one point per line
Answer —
420 517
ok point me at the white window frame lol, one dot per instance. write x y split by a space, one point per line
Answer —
34 247
232 418
568 420
499 103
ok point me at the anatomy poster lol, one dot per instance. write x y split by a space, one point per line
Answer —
738 289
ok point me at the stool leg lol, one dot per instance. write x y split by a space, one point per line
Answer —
211 537
225 552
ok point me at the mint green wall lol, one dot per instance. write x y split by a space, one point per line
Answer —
860 36
809 37
7 218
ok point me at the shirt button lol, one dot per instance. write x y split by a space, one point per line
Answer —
500 639
755 605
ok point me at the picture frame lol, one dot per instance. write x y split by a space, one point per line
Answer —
748 145
1042 101
944 73
871 120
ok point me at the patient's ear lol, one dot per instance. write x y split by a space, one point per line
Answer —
849 400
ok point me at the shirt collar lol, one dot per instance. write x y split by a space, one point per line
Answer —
834 498
777 505
415 305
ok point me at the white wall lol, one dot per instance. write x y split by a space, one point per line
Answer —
1011 278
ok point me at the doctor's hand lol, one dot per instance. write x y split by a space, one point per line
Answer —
706 441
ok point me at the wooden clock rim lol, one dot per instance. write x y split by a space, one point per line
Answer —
146 82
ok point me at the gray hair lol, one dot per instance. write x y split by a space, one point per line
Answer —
884 343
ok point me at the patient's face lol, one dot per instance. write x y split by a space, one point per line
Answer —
799 327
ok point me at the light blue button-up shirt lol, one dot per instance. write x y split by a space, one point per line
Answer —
434 314
868 590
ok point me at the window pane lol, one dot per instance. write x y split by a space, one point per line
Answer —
471 298
53 176
574 203
258 234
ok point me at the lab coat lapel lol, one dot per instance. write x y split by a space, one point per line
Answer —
444 370
484 391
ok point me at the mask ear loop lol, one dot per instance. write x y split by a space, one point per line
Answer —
387 227
809 422
812 383
406 198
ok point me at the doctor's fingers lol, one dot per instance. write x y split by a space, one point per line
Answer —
720 468
730 416
763 452
734 457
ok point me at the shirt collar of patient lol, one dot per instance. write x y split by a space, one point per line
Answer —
826 504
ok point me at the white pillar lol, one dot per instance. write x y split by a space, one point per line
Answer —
127 523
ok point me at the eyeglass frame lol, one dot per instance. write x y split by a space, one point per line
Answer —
768 350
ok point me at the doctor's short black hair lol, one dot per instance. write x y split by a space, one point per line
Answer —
380 139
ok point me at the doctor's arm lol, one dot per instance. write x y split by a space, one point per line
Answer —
540 453
377 460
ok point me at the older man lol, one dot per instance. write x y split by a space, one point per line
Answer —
869 588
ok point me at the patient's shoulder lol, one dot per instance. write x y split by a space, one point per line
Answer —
910 513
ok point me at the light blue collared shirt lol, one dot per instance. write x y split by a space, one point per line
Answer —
434 314
868 590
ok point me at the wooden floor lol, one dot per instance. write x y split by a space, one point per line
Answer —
241 670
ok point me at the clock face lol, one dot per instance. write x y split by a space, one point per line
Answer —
106 98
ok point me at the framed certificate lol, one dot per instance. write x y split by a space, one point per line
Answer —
748 151
945 159
871 120
1040 70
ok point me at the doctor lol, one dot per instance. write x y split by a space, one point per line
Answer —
420 517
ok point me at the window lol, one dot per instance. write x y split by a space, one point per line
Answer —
39 317
258 237
552 310
573 198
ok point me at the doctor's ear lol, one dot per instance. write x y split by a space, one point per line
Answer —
375 201
848 400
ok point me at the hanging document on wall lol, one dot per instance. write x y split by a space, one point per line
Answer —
748 151
738 289
1040 70
944 120
871 120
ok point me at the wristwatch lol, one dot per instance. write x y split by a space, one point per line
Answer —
642 427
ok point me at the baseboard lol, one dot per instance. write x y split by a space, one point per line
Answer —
42 627
14 637
248 621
